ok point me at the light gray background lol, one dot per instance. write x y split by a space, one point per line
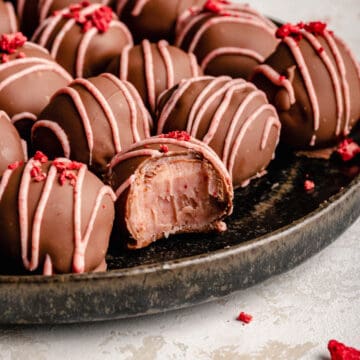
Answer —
295 314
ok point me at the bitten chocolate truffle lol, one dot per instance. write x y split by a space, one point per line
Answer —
11 150
8 19
83 38
230 115
28 78
313 80
167 185
153 68
92 120
152 19
55 217
227 39
33 12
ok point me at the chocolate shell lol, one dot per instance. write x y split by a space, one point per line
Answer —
83 39
227 39
55 217
33 12
152 19
28 78
230 115
313 80
153 68
91 120
168 185
11 149
8 19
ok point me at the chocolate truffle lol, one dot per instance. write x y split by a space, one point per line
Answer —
167 185
313 80
11 149
153 68
227 39
92 120
55 217
8 20
28 78
33 12
230 115
83 38
152 19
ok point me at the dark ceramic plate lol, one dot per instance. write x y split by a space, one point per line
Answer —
276 224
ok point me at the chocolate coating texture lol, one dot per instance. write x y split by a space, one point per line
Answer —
33 12
314 84
227 39
230 115
48 227
167 186
11 149
91 120
27 83
153 68
152 19
8 19
82 51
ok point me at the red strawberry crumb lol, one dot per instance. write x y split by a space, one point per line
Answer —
41 157
65 169
99 18
4 58
9 43
177 135
245 318
15 165
282 77
320 50
339 351
309 185
316 27
164 149
20 55
37 174
215 6
348 149
290 30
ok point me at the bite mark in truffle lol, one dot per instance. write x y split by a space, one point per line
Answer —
183 189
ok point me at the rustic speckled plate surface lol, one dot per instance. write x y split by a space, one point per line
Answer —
276 225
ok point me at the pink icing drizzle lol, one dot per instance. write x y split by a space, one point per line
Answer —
149 73
23 115
277 80
164 52
74 95
138 7
230 51
33 64
57 131
11 16
99 97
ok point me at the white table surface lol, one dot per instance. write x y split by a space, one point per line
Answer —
295 314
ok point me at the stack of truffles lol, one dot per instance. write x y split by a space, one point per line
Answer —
133 120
